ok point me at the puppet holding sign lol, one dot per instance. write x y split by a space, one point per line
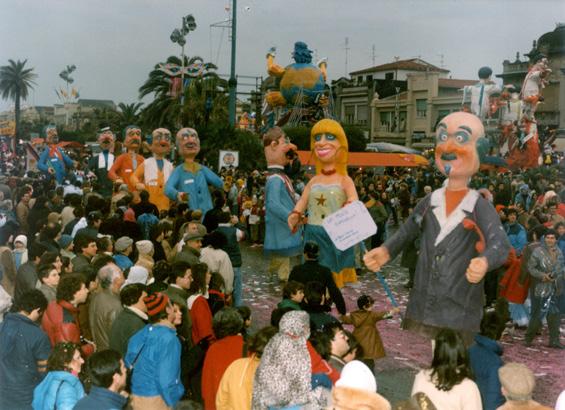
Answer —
461 237
326 193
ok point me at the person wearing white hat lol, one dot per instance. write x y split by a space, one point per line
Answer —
20 250
137 274
357 388
145 252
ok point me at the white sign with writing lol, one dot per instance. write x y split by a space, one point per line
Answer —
228 159
350 225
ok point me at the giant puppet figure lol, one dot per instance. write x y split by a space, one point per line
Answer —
481 93
126 164
101 163
154 173
53 161
189 181
461 237
280 243
326 193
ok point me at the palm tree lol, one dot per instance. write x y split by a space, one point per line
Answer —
204 98
15 83
128 114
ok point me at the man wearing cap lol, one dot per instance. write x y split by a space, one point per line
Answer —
518 384
66 245
123 248
154 354
101 163
190 252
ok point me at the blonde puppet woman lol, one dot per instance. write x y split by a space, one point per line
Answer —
327 192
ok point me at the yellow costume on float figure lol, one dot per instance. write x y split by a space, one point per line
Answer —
327 192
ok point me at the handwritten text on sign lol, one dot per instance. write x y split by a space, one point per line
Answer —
350 225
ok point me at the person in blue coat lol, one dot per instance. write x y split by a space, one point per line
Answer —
61 389
153 357
280 199
516 233
53 161
485 357
189 181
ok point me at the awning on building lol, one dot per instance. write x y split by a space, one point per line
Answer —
373 159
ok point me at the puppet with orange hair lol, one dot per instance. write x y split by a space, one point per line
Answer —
327 192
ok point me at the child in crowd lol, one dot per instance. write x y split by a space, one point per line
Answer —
245 313
293 294
315 305
216 293
20 250
365 330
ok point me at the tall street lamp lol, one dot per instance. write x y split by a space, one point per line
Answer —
179 36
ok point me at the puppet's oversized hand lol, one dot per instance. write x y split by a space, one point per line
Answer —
119 181
477 269
293 221
139 186
182 197
376 258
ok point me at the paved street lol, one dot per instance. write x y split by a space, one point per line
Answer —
406 352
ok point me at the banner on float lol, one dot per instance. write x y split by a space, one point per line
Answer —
228 159
350 225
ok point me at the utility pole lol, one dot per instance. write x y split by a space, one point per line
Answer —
346 47
232 83
374 54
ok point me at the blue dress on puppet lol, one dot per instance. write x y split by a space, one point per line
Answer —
323 201
195 183
279 201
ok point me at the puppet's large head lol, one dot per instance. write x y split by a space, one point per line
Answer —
460 144
278 148
188 143
329 145
106 138
160 142
51 135
132 138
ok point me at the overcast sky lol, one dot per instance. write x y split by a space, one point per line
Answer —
116 43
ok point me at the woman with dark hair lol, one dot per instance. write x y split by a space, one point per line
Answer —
227 326
61 389
156 236
236 386
197 304
51 259
448 383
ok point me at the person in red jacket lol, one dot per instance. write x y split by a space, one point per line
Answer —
197 304
60 320
227 326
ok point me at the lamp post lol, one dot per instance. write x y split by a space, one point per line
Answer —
179 36
232 83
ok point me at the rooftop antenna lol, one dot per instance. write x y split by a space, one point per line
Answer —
374 55
441 62
346 48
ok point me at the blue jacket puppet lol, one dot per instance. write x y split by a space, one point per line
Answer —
189 181
53 161
280 199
